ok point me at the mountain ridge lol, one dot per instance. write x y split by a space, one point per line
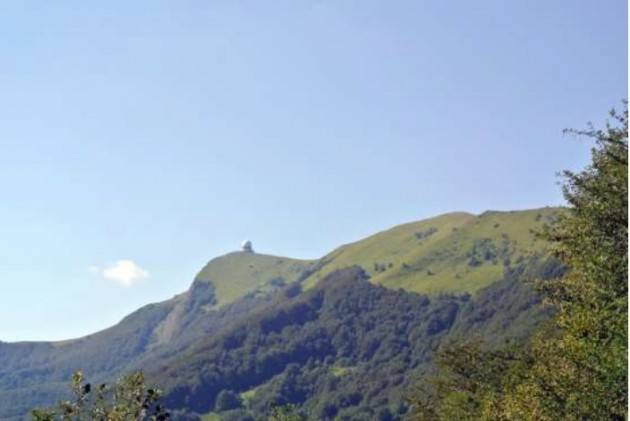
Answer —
204 274
239 284
464 245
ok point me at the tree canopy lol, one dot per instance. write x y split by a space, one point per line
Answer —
128 399
575 367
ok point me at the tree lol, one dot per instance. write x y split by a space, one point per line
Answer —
285 413
226 400
581 371
575 367
128 399
469 376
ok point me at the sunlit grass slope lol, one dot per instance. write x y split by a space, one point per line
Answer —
236 274
211 416
455 252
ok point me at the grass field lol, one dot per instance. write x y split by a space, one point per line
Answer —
211 416
456 252
239 273
248 394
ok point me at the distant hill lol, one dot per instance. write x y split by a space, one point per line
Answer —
36 373
455 252
458 253
239 273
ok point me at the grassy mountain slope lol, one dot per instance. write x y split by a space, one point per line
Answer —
239 273
456 252
36 373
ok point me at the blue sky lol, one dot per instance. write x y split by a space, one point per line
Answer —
140 139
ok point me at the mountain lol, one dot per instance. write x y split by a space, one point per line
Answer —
236 274
345 349
36 373
456 253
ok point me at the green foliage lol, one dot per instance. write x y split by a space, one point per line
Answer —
421 235
483 250
471 376
285 413
575 367
129 399
344 349
581 373
226 400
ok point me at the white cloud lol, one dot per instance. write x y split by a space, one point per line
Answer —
124 272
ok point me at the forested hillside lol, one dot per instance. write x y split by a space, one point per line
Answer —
36 373
452 254
346 349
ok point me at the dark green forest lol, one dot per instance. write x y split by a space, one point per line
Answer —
347 348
